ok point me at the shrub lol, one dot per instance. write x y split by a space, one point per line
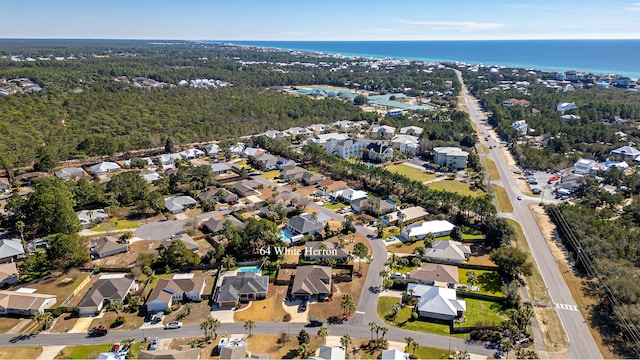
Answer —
168 311
120 320
287 317
58 311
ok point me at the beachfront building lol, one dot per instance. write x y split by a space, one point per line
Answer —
450 156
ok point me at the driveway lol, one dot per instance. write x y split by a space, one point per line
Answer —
50 352
224 315
291 307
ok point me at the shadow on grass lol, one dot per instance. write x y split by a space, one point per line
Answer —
490 281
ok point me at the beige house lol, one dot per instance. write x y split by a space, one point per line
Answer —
24 302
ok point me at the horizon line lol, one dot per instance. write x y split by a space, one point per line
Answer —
316 40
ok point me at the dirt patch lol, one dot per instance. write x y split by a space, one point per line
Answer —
548 230
26 352
64 323
199 311
206 351
7 324
270 344
551 328
133 321
269 309
128 259
324 310
61 286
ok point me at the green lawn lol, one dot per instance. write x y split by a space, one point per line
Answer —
488 281
83 351
425 352
492 170
240 163
455 186
270 175
116 224
503 199
336 206
403 319
482 312
411 172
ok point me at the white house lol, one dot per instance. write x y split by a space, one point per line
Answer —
394 354
169 159
450 156
89 217
25 302
212 150
411 130
176 204
565 106
169 290
192 153
322 139
346 149
626 153
583 166
447 251
436 227
332 353
104 168
348 195
382 131
407 144
344 125
521 126
437 302
317 128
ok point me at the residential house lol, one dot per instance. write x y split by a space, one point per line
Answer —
420 231
569 118
4 185
569 185
435 274
583 166
237 149
104 168
274 134
309 178
25 302
269 161
327 186
310 281
394 354
346 149
191 154
106 289
295 131
212 150
412 130
183 352
251 151
89 218
8 274
322 139
182 286
243 287
608 164
437 302
407 144
348 195
233 351
409 215
331 353
107 246
378 152
71 173
514 102
216 225
26 178
521 126
169 159
448 251
318 128
247 187
10 250
219 194
374 206
382 132
151 177
177 204
292 172
626 153
565 106
344 125
322 250
450 157
395 112
220 169
187 240
306 224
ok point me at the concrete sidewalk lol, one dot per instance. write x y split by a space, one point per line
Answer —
50 352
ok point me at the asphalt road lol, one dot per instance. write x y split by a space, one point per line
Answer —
581 343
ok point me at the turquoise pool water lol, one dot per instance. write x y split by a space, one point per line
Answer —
285 235
250 269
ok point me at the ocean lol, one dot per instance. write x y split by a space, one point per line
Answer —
594 56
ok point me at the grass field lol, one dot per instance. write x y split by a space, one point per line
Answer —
26 352
7 323
455 186
403 319
488 281
492 170
83 351
116 224
503 199
336 206
411 172
270 175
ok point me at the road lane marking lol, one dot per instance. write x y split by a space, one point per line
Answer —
567 307
360 312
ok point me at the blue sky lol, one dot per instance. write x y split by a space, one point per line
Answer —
321 20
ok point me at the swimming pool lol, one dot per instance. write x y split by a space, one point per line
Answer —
285 235
250 269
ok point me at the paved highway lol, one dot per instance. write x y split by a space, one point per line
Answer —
581 343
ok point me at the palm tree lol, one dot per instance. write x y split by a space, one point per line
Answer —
249 325
395 308
428 240
117 306
304 351
187 309
419 250
372 327
384 331
347 304
136 301
323 332
409 341
229 261
472 278
345 341
506 345
214 325
194 343
414 346
204 326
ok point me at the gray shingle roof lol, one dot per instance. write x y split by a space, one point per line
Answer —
242 284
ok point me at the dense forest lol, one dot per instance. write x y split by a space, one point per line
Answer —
82 111
553 143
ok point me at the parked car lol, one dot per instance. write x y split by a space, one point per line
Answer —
154 344
315 322
173 325
303 306
99 331
519 197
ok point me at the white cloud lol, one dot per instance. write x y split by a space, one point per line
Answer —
634 7
454 25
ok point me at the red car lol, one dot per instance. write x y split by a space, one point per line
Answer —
99 331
